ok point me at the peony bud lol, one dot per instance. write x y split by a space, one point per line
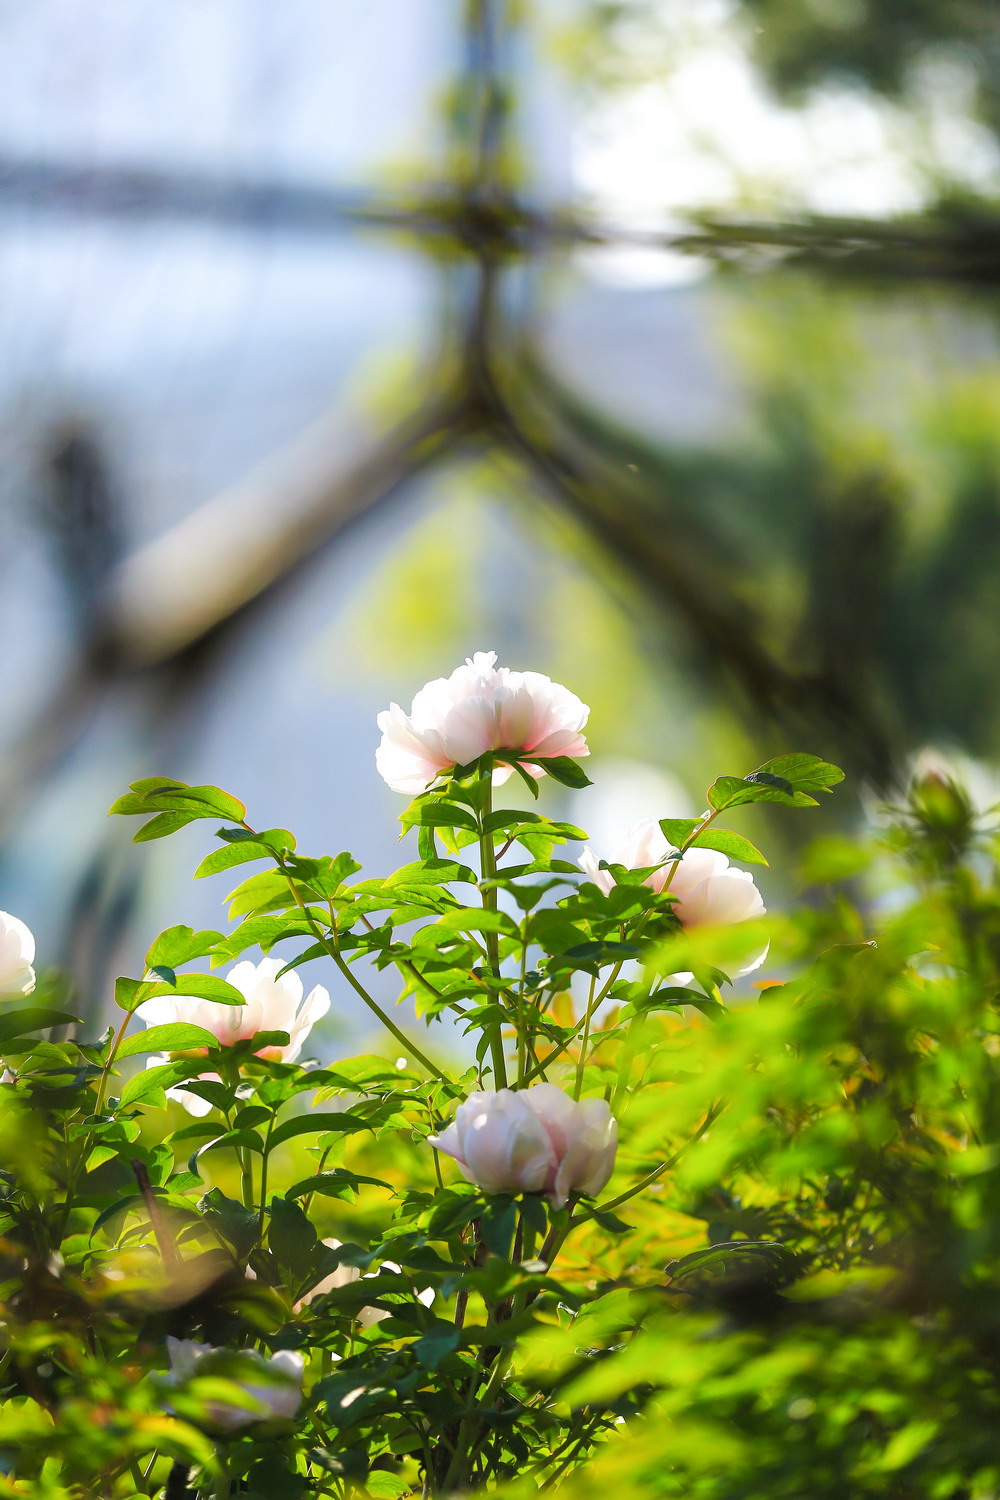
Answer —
532 1141
272 1004
480 707
273 1386
17 952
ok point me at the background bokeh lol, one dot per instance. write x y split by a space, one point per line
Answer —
651 343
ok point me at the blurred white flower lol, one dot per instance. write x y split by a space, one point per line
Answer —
480 707
531 1141
17 953
273 1384
272 1004
346 1275
709 891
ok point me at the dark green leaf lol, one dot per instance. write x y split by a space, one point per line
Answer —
318 1123
15 1023
433 1347
234 1222
291 1237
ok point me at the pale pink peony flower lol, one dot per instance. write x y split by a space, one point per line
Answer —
345 1276
532 1141
709 892
17 952
273 1386
480 707
272 1004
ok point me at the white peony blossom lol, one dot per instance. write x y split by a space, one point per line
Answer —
346 1275
708 891
273 1384
17 953
532 1141
480 707
272 1004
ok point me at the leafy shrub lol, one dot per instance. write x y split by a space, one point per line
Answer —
790 1287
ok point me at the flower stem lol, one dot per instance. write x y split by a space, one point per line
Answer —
488 864
581 1061
657 1172
372 1004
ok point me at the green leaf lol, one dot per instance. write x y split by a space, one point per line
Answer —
159 794
175 1036
261 931
292 1237
734 845
152 1082
241 853
561 768
430 872
267 889
440 813
318 1123
471 920
178 945
162 825
497 1225
31 1018
234 1222
336 1183
736 791
433 1347
805 773
677 830
128 993
201 986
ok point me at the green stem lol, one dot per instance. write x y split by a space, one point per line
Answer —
581 1062
657 1172
372 1004
263 1174
488 865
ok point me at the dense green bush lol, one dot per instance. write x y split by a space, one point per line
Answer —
790 1287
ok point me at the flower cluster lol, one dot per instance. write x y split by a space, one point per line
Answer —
214 1227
